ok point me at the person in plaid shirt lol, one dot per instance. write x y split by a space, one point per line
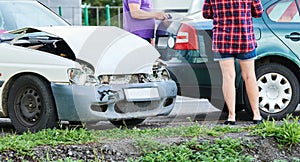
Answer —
233 37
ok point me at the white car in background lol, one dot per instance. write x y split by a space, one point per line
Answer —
75 73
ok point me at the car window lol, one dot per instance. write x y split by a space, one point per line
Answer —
284 11
15 15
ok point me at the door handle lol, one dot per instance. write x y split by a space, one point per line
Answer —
293 36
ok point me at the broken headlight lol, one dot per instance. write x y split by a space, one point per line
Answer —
160 72
83 76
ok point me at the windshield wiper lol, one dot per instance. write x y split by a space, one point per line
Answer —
18 37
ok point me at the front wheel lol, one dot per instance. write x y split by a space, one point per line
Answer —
31 105
278 91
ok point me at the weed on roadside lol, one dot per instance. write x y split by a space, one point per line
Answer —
194 142
192 151
286 134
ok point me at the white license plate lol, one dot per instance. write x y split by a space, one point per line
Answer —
141 93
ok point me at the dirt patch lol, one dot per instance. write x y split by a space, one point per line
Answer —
263 149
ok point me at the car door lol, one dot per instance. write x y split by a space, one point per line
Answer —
283 19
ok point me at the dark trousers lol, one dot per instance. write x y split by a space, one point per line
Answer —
148 39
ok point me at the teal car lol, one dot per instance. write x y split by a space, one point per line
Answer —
185 45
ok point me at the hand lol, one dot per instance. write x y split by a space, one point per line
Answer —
167 19
161 16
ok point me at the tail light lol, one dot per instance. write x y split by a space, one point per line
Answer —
186 38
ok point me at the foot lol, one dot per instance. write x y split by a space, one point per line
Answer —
257 117
227 122
257 121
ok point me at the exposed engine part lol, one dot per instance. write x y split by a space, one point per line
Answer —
122 79
42 42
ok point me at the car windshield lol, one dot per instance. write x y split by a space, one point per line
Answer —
19 14
195 7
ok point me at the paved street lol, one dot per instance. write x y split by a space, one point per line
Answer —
185 110
191 109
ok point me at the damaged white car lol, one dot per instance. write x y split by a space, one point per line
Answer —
74 73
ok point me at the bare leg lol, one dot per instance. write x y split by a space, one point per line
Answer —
228 73
248 74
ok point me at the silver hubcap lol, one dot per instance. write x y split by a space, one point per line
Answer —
275 92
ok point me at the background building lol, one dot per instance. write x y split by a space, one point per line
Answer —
172 6
70 9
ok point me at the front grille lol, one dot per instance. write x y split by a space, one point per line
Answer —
99 108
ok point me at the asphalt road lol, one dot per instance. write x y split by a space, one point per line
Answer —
185 110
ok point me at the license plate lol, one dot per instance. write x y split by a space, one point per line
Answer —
141 94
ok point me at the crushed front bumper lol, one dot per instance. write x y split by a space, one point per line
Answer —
114 102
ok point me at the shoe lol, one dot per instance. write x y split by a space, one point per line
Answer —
229 122
257 121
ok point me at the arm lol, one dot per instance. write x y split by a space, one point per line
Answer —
137 13
256 8
207 11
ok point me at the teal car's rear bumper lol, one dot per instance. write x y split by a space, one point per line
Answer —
104 102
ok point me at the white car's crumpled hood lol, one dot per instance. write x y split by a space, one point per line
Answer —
110 50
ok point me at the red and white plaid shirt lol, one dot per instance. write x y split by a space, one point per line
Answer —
232 24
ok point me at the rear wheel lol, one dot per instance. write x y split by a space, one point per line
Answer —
31 105
278 91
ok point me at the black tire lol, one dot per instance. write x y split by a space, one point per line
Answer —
127 123
278 91
31 105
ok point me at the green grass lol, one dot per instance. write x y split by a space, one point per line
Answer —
25 142
193 151
186 131
286 134
146 142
